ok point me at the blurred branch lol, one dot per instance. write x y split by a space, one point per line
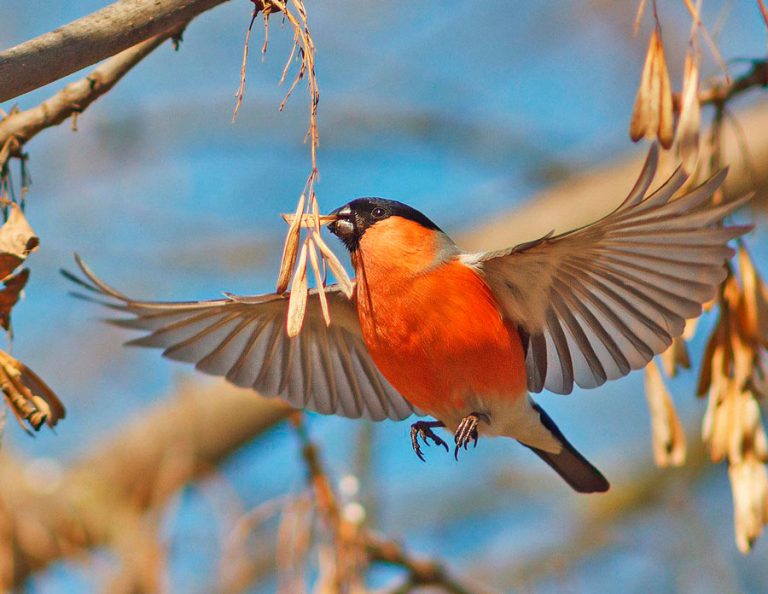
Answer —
350 537
90 39
20 126
587 196
100 499
719 94
421 572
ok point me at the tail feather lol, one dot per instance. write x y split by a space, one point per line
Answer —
574 468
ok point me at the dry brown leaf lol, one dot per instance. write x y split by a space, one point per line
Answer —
290 248
17 240
666 430
9 296
690 110
297 302
29 397
652 115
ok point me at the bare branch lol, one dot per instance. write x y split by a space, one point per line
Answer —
90 39
757 76
19 127
421 572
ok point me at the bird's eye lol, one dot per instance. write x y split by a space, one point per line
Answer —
378 213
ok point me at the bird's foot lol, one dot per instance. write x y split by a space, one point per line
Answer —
467 431
423 429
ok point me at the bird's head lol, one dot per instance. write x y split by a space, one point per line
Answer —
356 217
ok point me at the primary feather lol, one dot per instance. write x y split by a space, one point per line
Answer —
244 339
595 303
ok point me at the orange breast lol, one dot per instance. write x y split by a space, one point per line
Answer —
437 336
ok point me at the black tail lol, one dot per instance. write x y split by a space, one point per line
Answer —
570 464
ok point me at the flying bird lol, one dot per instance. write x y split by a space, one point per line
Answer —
465 338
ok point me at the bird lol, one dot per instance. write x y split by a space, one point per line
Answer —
465 338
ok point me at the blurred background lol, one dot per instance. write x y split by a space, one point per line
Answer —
465 112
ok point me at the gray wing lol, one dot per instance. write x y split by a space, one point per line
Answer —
595 303
324 369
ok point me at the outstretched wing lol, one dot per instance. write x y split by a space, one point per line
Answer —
325 369
595 303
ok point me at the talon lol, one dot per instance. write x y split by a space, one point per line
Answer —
423 429
467 431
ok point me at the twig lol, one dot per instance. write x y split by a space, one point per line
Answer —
421 572
20 126
763 11
722 93
92 38
265 7
694 11
349 537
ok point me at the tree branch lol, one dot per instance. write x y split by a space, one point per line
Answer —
100 500
721 93
591 194
90 39
421 572
349 536
19 127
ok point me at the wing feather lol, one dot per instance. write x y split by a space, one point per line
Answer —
595 303
244 339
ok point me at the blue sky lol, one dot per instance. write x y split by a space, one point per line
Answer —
463 113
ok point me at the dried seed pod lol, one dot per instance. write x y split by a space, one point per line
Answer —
749 486
290 249
669 447
652 115
676 356
309 220
297 302
337 268
319 280
29 397
754 305
690 110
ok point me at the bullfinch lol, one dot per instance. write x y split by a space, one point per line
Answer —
465 338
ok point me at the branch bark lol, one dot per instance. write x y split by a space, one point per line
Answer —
90 39
19 127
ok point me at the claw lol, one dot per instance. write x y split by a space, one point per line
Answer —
423 429
467 431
